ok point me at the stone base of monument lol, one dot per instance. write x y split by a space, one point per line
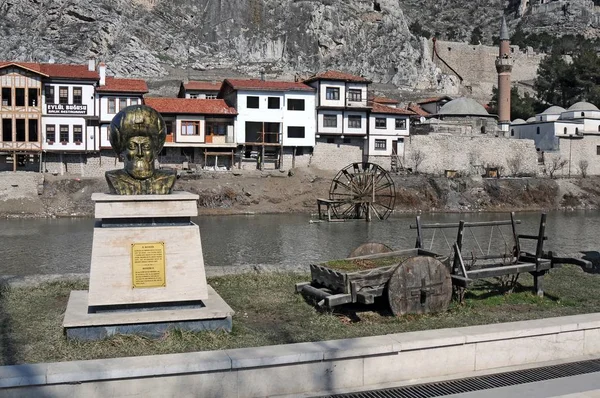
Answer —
147 271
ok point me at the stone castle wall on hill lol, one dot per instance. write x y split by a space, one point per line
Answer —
476 64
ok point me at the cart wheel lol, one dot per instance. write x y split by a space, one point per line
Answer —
419 285
369 248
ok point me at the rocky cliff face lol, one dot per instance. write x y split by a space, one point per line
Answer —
211 38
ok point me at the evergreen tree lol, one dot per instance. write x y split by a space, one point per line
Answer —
521 107
552 81
476 36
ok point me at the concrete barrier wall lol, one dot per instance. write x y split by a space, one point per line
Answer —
317 367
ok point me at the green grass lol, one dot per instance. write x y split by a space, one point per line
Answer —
269 312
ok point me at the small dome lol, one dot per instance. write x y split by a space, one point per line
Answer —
554 110
583 106
463 106
531 119
518 121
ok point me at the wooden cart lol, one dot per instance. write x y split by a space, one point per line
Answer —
417 283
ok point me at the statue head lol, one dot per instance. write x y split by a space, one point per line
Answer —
137 134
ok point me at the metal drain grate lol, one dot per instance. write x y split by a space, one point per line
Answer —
480 382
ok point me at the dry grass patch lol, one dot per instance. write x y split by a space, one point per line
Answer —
269 312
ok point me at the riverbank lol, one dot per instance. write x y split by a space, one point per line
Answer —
34 195
269 312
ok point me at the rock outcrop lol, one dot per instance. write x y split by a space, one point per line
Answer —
208 39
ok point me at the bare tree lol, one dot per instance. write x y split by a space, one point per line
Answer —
556 163
417 156
583 166
514 165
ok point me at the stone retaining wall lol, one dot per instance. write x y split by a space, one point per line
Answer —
314 368
469 154
336 155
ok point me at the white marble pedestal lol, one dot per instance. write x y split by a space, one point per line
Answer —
147 271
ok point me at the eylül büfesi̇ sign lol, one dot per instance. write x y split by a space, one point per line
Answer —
148 265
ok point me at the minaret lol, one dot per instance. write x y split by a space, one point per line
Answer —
504 64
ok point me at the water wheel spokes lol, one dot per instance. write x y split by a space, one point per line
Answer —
361 190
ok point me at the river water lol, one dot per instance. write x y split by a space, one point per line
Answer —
51 246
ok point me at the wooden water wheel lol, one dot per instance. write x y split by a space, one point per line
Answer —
362 190
420 285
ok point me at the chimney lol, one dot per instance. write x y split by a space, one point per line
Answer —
102 72
92 65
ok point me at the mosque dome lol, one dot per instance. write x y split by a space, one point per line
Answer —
463 106
583 106
518 121
531 119
554 110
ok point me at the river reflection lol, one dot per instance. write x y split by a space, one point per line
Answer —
64 245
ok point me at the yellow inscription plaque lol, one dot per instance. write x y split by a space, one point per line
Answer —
148 264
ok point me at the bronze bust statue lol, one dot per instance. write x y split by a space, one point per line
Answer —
137 134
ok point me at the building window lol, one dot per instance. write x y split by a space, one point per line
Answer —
7 130
582 113
122 103
78 133
380 145
295 132
252 102
400 124
112 105
354 122
64 133
273 103
6 96
565 130
380 123
33 131
63 95
77 95
597 149
32 97
135 101
332 93
169 126
20 124
329 120
191 127
512 132
576 130
538 130
331 140
347 140
295 105
354 95
211 96
50 133
19 96
49 94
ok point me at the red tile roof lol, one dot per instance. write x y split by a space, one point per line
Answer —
25 65
337 75
190 106
204 86
56 70
379 108
418 110
114 84
384 100
267 85
435 99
